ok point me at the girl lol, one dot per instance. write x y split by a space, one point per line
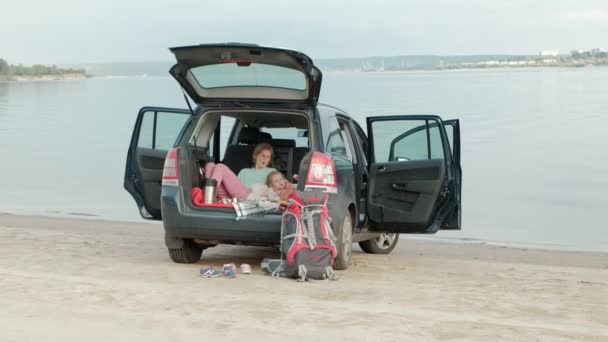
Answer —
277 182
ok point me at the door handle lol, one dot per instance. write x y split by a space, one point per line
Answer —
400 187
382 169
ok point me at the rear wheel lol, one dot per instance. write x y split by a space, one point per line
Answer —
189 253
344 244
383 244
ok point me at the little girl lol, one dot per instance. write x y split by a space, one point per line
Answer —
277 183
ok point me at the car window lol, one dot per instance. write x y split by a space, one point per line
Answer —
290 133
449 130
337 144
362 139
251 75
159 130
226 124
405 140
348 139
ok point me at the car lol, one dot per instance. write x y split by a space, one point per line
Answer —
401 177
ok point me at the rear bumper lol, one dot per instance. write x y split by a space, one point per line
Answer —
218 225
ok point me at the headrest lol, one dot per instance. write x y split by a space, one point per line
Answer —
283 143
249 135
265 137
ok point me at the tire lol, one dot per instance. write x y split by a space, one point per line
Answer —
344 244
383 244
189 253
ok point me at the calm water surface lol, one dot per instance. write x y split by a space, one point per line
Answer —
534 154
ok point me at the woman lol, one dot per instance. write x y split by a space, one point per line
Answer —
230 185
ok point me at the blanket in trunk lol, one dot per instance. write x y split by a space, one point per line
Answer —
255 208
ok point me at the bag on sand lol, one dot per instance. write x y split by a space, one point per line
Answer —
308 245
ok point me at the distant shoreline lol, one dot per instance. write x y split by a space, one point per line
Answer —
464 69
62 77
487 67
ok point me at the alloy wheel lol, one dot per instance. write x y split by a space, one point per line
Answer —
385 240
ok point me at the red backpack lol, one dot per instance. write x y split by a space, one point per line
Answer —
307 239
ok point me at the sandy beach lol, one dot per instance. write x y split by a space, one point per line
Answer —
65 279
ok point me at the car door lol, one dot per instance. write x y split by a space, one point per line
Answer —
452 128
156 131
412 179
246 73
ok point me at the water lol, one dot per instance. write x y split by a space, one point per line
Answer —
534 157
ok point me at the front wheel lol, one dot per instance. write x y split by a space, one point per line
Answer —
344 244
189 253
383 244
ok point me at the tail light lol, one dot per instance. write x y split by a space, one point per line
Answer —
321 173
170 171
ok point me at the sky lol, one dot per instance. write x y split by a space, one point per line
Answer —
99 31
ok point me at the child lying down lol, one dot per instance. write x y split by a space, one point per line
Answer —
276 189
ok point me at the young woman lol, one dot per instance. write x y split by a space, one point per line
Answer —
230 185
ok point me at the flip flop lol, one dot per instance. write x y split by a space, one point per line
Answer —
229 270
273 267
245 269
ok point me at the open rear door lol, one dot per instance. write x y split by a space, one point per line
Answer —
412 175
452 128
155 133
228 72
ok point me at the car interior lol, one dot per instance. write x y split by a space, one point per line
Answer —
240 132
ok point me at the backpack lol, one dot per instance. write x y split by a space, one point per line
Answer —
308 248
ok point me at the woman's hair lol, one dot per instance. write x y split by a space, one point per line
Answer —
261 147
269 177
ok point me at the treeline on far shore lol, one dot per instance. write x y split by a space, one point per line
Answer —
37 70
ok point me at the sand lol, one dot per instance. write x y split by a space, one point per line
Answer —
68 279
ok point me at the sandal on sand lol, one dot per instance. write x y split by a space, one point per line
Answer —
210 272
273 267
229 270
245 269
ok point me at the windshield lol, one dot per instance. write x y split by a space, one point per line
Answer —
248 75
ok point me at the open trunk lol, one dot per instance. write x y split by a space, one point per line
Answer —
229 137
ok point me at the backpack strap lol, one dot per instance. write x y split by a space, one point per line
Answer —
309 226
331 274
302 273
295 235
277 272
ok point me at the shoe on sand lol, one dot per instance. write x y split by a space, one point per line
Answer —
210 272
245 269
272 266
229 270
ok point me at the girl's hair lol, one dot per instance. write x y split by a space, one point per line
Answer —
269 177
261 147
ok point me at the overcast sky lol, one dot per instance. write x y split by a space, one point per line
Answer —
85 31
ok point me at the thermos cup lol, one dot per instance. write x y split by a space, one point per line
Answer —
210 190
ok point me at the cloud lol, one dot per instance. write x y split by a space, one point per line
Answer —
586 16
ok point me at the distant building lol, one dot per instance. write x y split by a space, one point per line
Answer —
599 52
549 53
